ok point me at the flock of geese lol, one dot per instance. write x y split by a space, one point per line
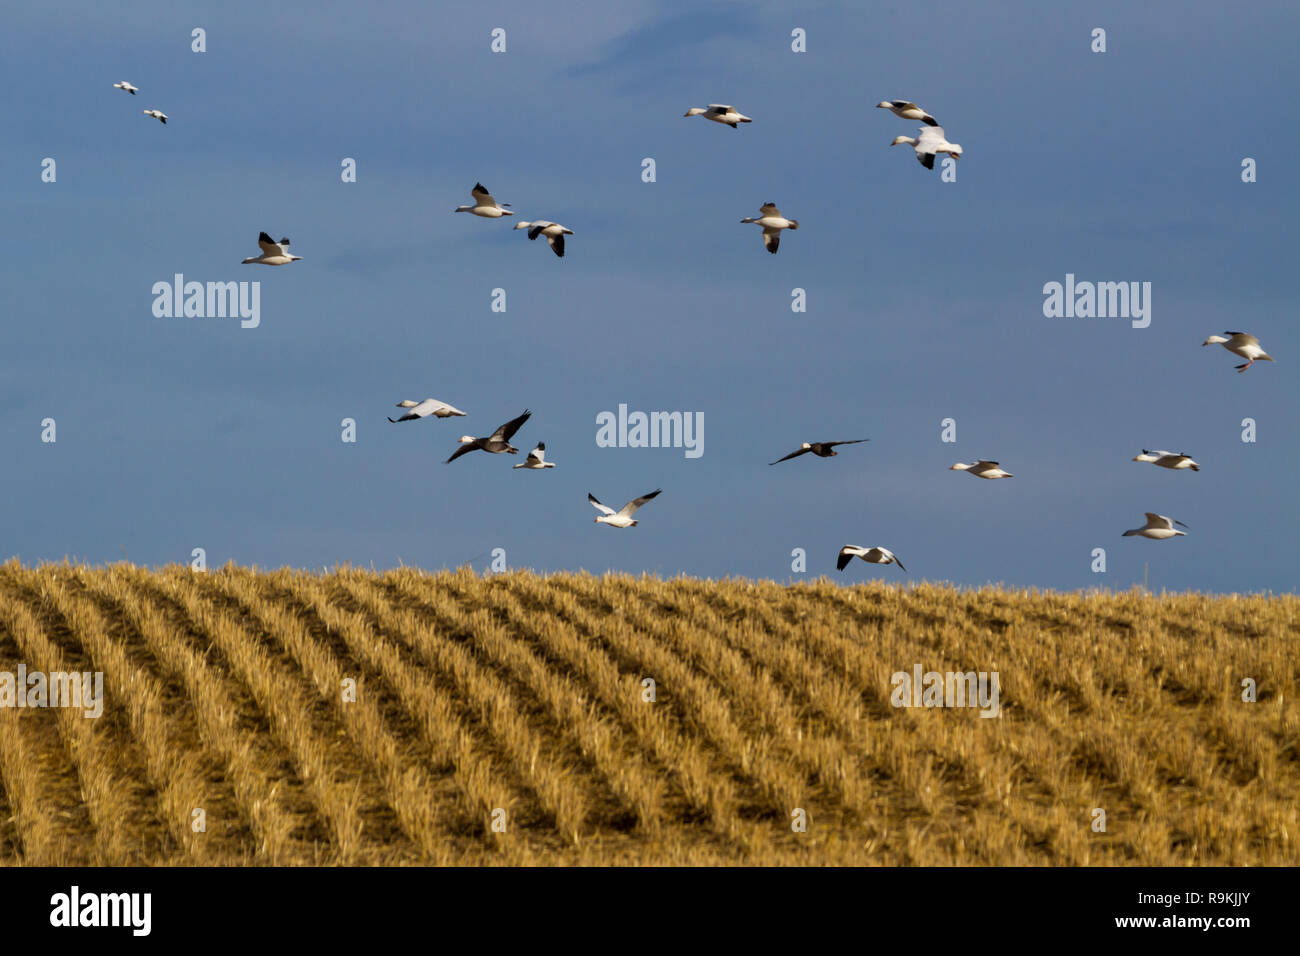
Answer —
930 142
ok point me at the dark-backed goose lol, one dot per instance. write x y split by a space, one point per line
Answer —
822 449
496 443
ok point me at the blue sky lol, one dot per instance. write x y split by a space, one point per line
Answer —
924 297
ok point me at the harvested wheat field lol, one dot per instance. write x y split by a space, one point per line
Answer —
519 698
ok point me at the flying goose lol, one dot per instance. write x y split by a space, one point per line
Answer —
908 111
430 406
485 205
1167 459
536 459
870 555
623 517
928 144
273 253
553 232
496 443
1247 346
159 115
124 85
983 469
720 113
822 449
772 222
1157 526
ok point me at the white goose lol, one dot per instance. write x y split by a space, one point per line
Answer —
983 469
1158 527
870 555
908 111
485 205
124 85
273 253
623 517
720 113
430 406
553 232
159 115
1167 459
536 459
772 222
930 143
1247 346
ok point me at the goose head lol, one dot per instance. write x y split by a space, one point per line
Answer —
954 151
960 466
522 225
884 105
465 439
899 140
1213 340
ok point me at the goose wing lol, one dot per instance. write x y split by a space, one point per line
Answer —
464 449
847 554
1158 521
442 409
793 454
557 244
926 118
719 108
930 137
509 428
769 209
269 246
772 240
603 509
884 556
629 509
538 455
481 196
832 444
